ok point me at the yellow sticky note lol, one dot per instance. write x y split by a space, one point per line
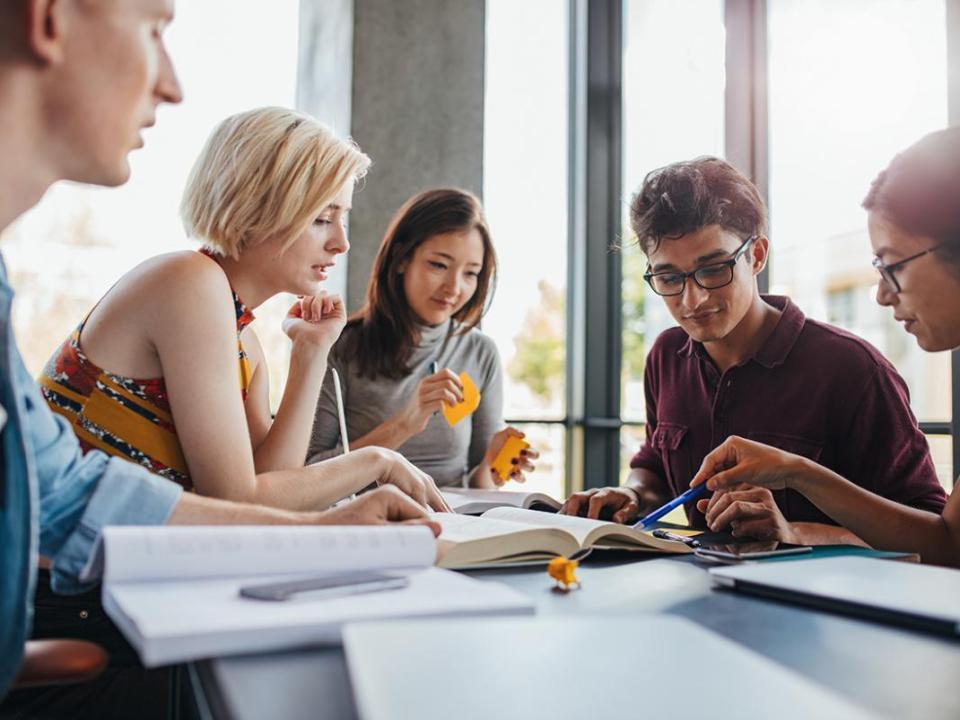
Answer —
511 449
471 401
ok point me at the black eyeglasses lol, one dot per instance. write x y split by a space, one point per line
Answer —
709 277
887 271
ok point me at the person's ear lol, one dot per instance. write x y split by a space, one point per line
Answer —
45 24
759 254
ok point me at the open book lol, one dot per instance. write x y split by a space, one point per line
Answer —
471 501
506 535
174 591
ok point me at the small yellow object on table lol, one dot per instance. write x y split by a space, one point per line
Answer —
562 570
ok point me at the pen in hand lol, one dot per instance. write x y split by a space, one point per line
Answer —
434 369
691 494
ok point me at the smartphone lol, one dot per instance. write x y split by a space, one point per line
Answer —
325 586
735 552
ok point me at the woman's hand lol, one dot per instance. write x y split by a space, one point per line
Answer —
379 507
396 470
433 391
521 463
739 461
316 321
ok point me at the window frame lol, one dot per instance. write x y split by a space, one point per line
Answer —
593 417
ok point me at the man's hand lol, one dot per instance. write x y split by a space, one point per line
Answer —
379 507
748 511
622 502
396 470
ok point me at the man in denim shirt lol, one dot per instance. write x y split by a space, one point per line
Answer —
79 80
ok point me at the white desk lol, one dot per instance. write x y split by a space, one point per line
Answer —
889 671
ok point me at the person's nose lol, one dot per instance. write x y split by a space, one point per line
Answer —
693 296
885 294
338 243
451 284
168 86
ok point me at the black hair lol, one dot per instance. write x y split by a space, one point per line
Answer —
684 197
919 191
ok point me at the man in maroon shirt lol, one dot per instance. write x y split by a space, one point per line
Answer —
754 366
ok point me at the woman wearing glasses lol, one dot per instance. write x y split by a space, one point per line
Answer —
914 224
751 365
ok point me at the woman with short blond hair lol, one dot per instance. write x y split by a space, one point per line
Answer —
165 370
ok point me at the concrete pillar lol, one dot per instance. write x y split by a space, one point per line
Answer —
415 71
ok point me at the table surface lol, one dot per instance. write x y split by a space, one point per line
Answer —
887 670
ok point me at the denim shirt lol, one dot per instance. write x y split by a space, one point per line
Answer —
53 499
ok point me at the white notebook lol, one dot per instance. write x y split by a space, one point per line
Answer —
576 668
174 591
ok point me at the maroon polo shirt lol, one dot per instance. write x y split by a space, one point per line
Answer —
811 389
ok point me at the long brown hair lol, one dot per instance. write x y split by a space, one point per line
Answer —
387 333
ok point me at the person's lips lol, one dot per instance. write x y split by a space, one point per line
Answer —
702 315
908 323
320 270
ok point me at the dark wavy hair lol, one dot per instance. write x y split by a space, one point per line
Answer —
683 197
386 325
920 192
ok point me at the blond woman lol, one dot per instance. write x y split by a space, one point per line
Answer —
165 370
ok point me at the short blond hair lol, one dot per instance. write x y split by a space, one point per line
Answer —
265 173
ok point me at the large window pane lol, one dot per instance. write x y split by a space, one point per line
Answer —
673 109
78 241
549 440
851 84
525 194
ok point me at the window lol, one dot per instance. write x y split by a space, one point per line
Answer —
95 235
525 196
849 87
673 109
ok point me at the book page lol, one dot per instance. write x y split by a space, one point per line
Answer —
589 532
476 500
577 526
468 540
464 528
182 553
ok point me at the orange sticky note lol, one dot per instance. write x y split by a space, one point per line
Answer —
471 401
511 449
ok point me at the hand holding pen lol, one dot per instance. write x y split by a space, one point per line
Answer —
442 386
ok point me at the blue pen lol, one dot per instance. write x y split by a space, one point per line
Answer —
691 494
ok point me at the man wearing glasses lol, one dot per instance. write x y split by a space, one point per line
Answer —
753 366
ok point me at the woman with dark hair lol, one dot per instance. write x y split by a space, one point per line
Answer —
914 222
400 357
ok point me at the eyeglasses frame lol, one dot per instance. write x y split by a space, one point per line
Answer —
730 262
887 271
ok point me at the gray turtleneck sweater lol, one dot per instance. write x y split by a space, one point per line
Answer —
447 454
